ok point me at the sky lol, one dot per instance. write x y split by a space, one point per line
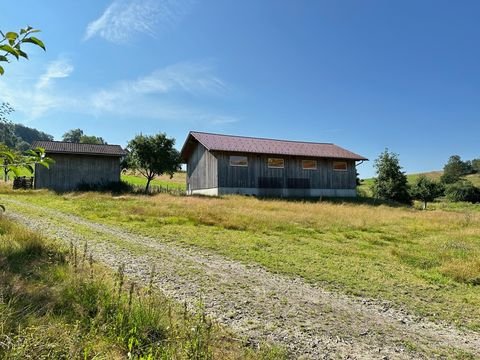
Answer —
365 75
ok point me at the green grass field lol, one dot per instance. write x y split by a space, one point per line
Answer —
177 182
425 261
58 304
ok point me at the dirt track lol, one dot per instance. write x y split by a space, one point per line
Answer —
258 305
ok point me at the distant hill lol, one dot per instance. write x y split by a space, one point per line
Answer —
435 175
20 137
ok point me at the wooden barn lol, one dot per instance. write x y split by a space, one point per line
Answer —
225 164
77 164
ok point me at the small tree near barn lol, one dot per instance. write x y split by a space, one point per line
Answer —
153 156
391 182
426 190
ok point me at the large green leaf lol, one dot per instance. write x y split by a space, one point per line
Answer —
9 50
22 53
1 70
30 168
14 169
11 37
3 58
8 156
36 41
26 30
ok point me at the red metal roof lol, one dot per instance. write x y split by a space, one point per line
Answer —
61 147
243 144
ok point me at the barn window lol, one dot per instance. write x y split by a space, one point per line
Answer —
340 165
238 161
309 164
276 163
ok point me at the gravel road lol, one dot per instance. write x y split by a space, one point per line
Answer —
309 322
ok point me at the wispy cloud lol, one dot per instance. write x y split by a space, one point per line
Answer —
221 120
174 93
154 95
125 18
196 79
57 69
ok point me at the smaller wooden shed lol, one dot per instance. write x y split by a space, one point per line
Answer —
77 164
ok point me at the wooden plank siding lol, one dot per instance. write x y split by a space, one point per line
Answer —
324 177
71 170
201 169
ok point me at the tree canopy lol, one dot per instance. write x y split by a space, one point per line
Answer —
153 156
476 165
390 183
426 190
78 136
455 169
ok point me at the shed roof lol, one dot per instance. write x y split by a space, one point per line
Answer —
61 147
244 144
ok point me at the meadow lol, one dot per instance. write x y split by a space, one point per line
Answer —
164 181
57 302
366 184
427 262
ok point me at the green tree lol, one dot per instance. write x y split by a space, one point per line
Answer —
73 135
7 131
390 182
153 156
476 166
426 190
91 139
78 136
454 170
11 44
462 190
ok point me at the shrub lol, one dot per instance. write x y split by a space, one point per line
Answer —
462 190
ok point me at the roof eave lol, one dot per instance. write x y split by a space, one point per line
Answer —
83 153
190 136
355 157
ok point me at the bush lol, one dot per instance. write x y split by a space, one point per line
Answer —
463 190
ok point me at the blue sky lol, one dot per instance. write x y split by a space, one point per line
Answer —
365 75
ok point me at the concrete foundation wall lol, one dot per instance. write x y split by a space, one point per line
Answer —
276 192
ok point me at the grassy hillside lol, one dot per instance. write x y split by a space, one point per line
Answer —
425 261
364 188
475 179
58 304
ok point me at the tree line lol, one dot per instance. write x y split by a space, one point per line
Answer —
391 182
